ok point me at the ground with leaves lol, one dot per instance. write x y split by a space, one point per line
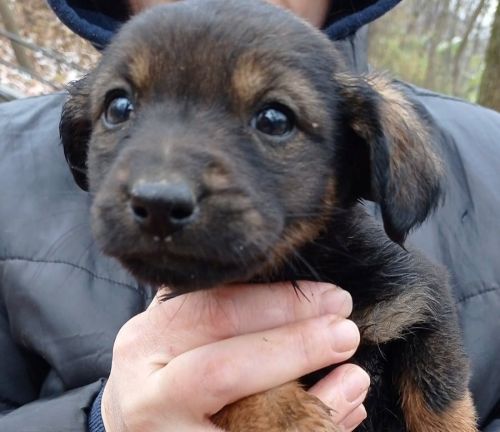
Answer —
38 24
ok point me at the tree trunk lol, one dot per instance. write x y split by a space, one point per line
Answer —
10 25
489 91
463 44
436 39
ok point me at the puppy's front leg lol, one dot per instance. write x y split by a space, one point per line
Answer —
285 408
433 383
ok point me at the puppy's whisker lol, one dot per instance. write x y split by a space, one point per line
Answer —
66 236
48 256
311 269
298 291
303 215
78 261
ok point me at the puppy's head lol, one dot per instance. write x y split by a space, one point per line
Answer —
216 137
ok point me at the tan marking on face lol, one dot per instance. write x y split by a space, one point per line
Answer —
248 79
253 218
303 231
141 68
122 174
255 83
460 416
216 178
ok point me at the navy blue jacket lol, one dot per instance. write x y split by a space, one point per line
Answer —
62 302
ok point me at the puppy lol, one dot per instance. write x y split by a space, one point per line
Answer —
226 141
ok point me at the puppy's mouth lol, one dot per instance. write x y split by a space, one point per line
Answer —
184 274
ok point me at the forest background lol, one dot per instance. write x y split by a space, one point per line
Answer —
449 46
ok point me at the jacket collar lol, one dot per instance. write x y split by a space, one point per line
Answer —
355 47
346 17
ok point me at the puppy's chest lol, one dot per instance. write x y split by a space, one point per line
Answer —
385 305
392 289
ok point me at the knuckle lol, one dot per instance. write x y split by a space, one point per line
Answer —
127 339
141 410
309 341
219 377
128 410
317 344
136 416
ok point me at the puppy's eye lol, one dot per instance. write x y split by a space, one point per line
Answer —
118 110
276 120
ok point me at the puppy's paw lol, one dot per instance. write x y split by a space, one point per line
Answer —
286 408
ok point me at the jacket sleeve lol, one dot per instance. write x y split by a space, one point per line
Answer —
21 408
66 413
95 418
494 426
61 302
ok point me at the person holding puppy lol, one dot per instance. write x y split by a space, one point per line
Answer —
62 304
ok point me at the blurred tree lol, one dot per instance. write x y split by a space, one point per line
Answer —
470 25
7 17
437 44
489 92
442 14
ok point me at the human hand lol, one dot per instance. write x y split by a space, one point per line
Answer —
181 361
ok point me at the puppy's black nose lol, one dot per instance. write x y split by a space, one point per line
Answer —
162 208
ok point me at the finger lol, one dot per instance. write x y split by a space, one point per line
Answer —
343 390
354 419
200 318
234 368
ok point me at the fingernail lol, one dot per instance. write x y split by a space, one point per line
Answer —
345 336
336 301
355 383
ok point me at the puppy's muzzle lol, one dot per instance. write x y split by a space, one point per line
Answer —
162 208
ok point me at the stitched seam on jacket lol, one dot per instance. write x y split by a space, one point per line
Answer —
480 293
5 259
31 260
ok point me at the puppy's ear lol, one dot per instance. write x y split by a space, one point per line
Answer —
395 164
75 129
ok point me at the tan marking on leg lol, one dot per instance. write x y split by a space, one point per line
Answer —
285 408
460 416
